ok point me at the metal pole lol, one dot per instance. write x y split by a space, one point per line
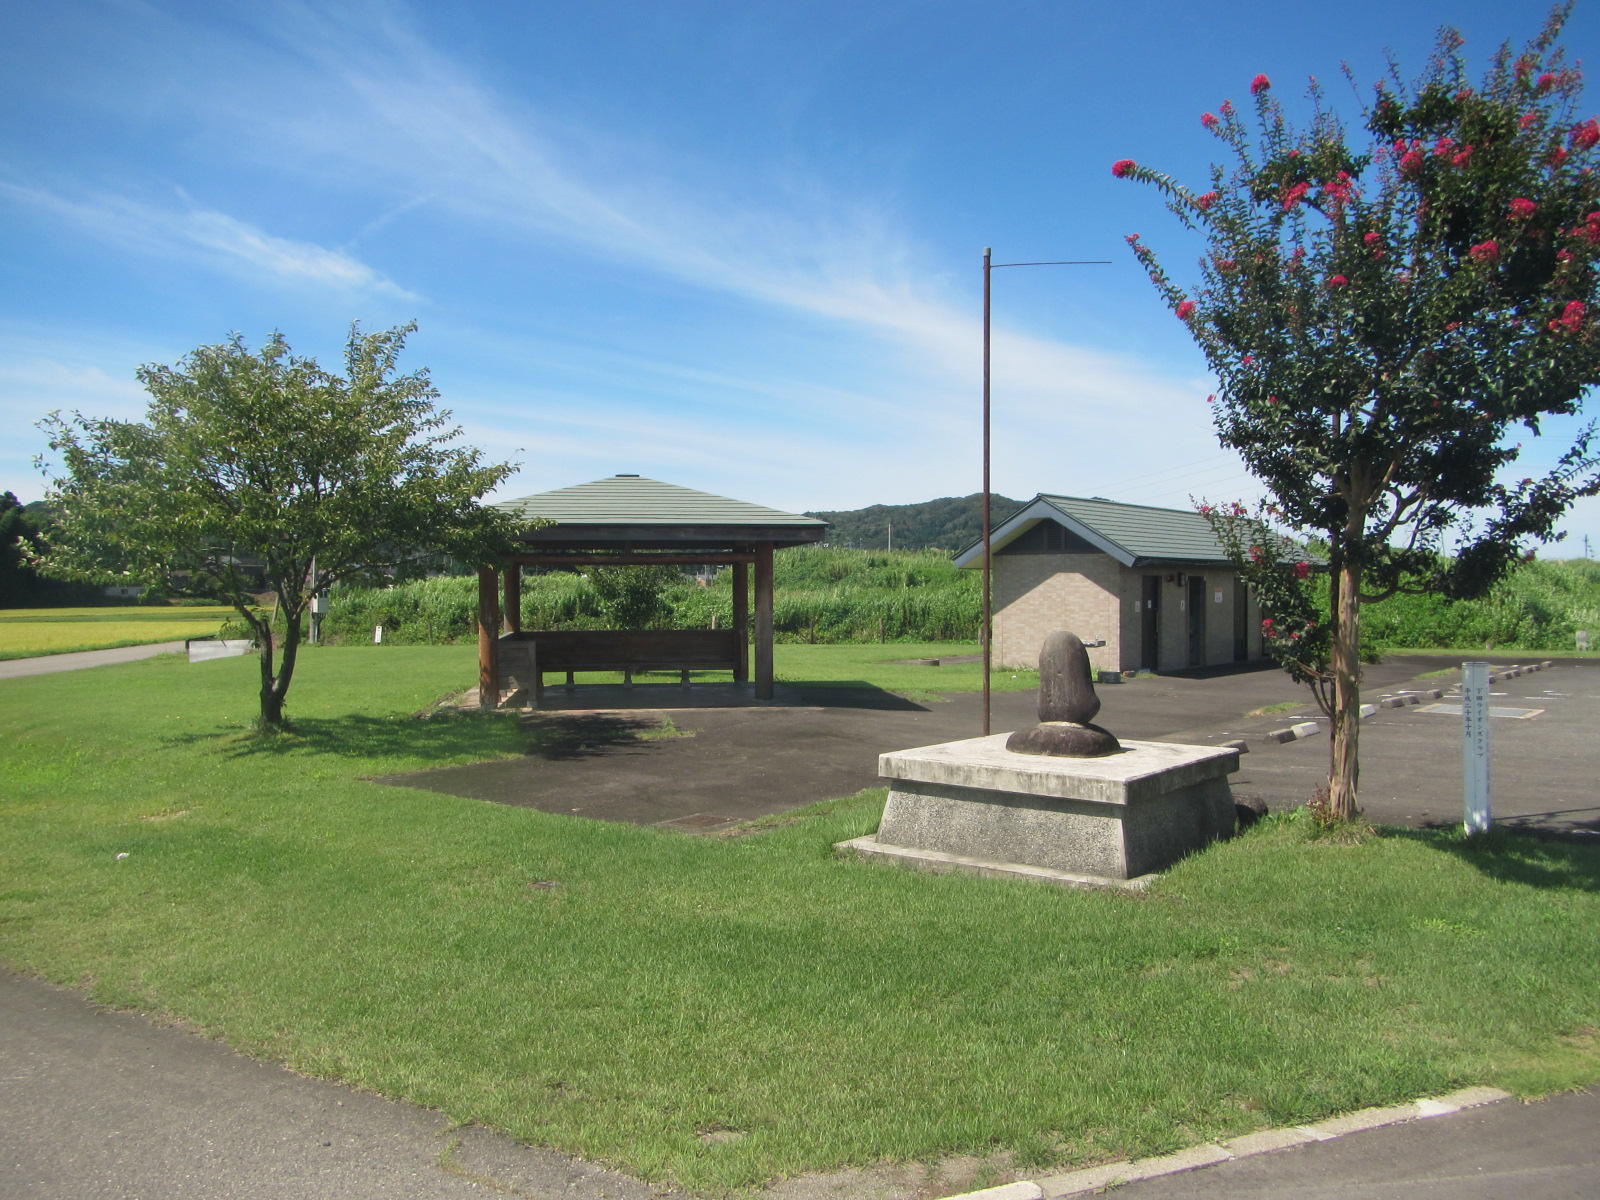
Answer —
987 641
316 605
1475 746
988 631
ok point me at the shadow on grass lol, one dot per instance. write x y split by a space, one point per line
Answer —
453 740
355 735
1536 857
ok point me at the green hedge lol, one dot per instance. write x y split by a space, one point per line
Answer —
1539 607
821 595
824 594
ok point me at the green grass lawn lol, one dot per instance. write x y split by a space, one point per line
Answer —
616 991
26 632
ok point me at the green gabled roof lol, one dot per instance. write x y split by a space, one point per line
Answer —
1143 532
1134 534
633 501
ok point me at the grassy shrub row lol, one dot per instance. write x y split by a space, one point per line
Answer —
821 595
1540 607
830 595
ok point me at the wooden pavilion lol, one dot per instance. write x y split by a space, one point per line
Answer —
622 521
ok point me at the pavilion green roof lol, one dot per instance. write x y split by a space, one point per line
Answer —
632 505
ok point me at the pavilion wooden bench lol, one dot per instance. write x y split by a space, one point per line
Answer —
527 656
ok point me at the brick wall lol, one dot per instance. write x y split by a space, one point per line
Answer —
1096 597
1037 594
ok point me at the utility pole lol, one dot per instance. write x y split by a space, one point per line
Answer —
987 627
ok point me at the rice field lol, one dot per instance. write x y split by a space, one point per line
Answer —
27 632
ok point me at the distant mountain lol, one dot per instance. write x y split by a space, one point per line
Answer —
948 523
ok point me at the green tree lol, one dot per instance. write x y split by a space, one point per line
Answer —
267 457
634 597
19 542
1383 309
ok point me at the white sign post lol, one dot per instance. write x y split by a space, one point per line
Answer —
1475 745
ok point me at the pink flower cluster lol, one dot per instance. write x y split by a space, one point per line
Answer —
1259 84
1589 231
1484 252
1206 201
1335 282
1521 209
1293 195
1572 318
1526 119
1185 310
1585 135
1302 570
1340 189
1209 120
1122 166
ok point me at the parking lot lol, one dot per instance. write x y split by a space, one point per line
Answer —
732 760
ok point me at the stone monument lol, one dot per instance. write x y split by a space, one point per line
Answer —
1067 704
1064 802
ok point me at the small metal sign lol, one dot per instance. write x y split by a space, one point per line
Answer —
1475 745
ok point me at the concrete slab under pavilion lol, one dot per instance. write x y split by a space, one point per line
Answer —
629 520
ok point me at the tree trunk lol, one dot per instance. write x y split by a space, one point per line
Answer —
272 698
275 683
1345 659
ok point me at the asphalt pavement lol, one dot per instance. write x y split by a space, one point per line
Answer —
78 660
101 1105
736 760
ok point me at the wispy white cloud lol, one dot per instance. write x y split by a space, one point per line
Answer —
390 110
207 235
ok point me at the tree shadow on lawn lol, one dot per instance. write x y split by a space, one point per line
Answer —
1529 855
454 739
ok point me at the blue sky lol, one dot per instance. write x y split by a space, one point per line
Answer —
733 245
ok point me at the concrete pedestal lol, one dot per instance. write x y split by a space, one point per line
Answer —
974 805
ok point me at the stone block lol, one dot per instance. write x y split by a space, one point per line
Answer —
1119 817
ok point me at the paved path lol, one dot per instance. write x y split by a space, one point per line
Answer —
49 664
1506 1151
98 1105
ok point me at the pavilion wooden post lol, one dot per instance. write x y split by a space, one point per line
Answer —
764 621
488 638
741 620
513 612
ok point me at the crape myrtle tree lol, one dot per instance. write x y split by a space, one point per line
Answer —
265 456
1386 309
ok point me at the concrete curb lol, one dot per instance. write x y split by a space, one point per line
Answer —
1294 733
1398 700
1076 1183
